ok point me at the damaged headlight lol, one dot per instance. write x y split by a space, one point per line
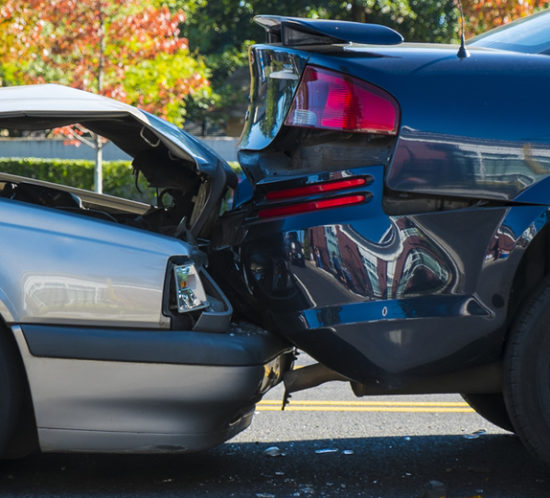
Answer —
190 293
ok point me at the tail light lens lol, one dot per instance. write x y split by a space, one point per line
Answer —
300 204
307 207
316 188
190 293
327 99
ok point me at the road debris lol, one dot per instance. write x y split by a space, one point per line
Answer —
435 489
307 489
475 435
274 451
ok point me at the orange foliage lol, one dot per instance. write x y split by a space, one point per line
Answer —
482 15
92 44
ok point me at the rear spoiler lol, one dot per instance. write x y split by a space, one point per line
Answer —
295 31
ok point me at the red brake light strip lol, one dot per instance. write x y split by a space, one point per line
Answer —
304 207
317 188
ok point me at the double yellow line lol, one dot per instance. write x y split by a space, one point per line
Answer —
367 406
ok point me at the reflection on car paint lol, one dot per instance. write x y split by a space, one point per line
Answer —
403 262
79 298
517 230
273 84
457 165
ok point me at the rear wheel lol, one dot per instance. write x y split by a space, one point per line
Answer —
527 374
491 407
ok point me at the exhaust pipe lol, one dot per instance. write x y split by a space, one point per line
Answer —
310 376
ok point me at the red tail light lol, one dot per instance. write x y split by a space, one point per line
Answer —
330 100
305 207
317 188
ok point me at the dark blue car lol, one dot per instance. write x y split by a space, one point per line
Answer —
416 180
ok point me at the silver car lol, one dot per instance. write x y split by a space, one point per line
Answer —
113 335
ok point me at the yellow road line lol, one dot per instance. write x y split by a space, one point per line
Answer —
457 404
367 406
395 409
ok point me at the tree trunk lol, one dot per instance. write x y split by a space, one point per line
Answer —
358 13
98 170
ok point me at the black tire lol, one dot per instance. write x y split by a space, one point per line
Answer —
491 407
12 389
527 374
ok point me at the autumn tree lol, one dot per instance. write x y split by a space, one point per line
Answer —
129 50
482 15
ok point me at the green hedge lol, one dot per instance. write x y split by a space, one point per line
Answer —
118 178
117 175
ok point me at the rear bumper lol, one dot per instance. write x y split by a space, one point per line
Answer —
383 300
240 346
145 391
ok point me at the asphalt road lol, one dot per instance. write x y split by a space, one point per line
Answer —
328 443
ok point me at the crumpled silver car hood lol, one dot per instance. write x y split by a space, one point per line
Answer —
39 107
57 101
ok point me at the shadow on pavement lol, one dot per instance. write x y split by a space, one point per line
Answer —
489 465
